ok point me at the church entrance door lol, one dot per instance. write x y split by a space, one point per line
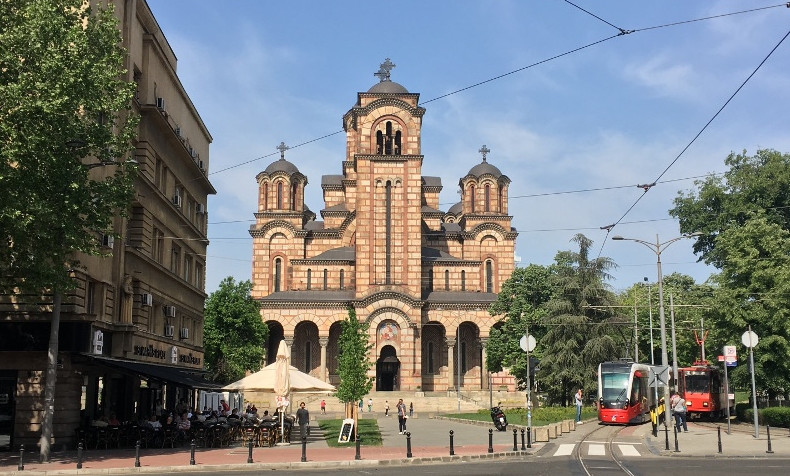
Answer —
387 370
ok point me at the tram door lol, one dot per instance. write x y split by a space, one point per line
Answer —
7 392
387 370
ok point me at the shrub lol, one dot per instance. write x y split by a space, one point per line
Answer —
776 416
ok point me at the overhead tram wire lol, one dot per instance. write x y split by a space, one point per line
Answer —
621 33
609 228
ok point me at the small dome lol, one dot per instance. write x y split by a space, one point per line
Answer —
484 168
456 209
388 87
281 165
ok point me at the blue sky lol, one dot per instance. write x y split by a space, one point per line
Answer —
609 116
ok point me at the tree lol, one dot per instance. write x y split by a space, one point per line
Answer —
581 326
521 302
234 335
353 362
63 99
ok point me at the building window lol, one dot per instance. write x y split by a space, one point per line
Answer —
157 245
501 208
472 199
488 198
293 197
266 196
430 280
430 357
188 269
175 260
279 195
489 276
463 280
446 279
326 279
342 277
278 271
199 275
309 279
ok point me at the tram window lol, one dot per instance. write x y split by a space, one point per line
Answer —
615 386
697 382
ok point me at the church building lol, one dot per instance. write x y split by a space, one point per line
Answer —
422 277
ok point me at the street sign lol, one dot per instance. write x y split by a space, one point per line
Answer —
527 343
749 339
659 375
731 351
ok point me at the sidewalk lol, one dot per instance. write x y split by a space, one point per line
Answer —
702 439
429 443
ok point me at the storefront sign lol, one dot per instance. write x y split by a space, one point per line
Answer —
149 351
174 355
98 342
189 359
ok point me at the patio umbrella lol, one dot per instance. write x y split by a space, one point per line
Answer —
263 381
282 383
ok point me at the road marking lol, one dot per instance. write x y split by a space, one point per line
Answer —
564 449
628 450
596 450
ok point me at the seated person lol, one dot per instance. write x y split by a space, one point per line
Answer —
153 423
113 421
234 414
100 422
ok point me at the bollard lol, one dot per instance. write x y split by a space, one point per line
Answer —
768 432
523 448
452 450
675 429
79 455
719 431
666 436
515 439
490 440
359 442
304 449
192 453
529 437
408 444
21 465
249 452
137 454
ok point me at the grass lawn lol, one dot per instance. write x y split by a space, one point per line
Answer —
540 416
368 431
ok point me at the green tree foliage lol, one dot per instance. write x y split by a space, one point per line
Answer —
521 303
354 360
234 335
582 329
745 219
63 99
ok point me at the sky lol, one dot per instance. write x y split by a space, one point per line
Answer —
575 113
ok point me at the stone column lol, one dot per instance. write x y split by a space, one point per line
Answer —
289 341
450 367
323 342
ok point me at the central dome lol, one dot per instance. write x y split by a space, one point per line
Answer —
388 87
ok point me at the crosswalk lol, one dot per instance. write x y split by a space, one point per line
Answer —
599 449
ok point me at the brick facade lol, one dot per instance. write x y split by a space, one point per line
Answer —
423 278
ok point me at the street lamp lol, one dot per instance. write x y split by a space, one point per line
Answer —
658 248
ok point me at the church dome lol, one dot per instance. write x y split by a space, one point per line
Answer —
484 168
281 165
388 87
456 209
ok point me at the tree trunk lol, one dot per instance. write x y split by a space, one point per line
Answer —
50 379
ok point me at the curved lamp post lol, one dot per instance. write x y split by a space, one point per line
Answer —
657 248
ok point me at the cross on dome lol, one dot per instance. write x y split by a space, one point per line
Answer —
282 148
484 150
384 70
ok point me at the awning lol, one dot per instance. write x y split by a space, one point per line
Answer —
186 377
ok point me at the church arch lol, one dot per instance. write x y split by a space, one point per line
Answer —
306 351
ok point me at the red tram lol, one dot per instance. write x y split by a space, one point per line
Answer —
702 386
623 393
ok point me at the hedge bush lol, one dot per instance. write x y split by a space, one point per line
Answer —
775 416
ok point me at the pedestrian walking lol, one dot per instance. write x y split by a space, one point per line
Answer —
361 403
303 420
386 408
370 405
411 409
579 399
323 407
402 416
679 410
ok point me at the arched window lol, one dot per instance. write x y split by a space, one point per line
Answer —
463 280
266 195
397 142
293 197
342 276
309 279
489 276
488 198
388 140
379 142
472 198
326 276
279 195
278 272
501 207
446 279
430 357
430 280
